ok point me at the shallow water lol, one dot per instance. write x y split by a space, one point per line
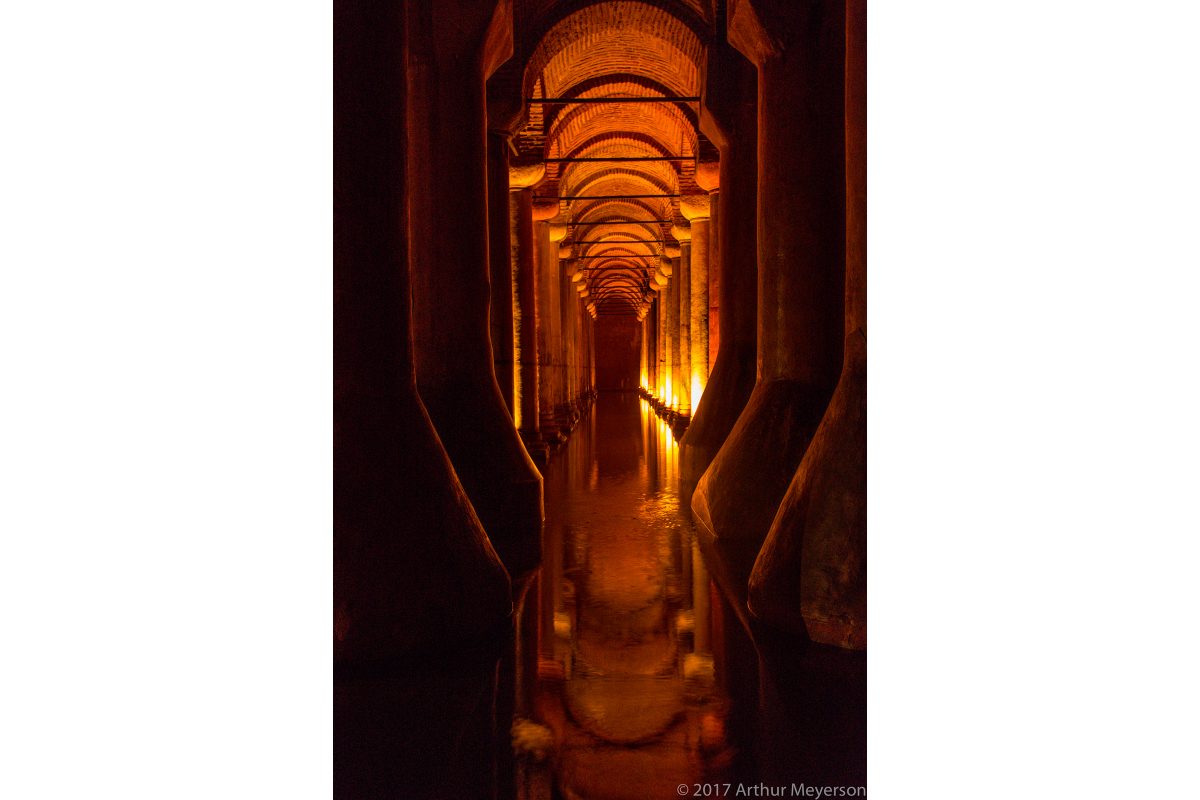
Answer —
625 678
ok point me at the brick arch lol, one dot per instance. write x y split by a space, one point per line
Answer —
667 124
600 243
639 209
584 178
618 228
619 37
615 84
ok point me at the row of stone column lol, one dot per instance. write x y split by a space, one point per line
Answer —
543 347
775 442
677 327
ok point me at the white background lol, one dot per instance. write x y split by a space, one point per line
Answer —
165 430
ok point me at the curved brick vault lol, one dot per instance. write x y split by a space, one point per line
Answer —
614 50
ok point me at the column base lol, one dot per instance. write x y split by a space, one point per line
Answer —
551 434
740 492
729 388
538 451
811 574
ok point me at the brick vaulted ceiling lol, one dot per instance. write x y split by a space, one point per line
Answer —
612 49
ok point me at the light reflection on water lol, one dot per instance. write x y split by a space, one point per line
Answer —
625 676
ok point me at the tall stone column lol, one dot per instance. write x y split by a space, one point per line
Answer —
456 46
729 118
570 308
564 298
683 364
525 311
547 235
799 50
811 574
672 398
652 345
667 268
696 209
647 343
414 575
712 186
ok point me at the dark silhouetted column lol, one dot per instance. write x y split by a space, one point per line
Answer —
729 118
799 49
456 46
415 579
811 575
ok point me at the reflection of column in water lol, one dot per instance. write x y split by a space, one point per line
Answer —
546 614
527 652
644 467
652 449
672 458
700 599
685 568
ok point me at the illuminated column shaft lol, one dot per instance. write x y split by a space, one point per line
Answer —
524 279
673 337
547 237
557 340
683 365
545 337
660 345
652 345
571 317
643 361
565 297
591 329
696 209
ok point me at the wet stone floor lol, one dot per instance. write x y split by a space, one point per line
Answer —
624 676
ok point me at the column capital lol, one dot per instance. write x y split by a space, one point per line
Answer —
525 176
681 233
695 207
708 175
558 230
750 25
544 210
